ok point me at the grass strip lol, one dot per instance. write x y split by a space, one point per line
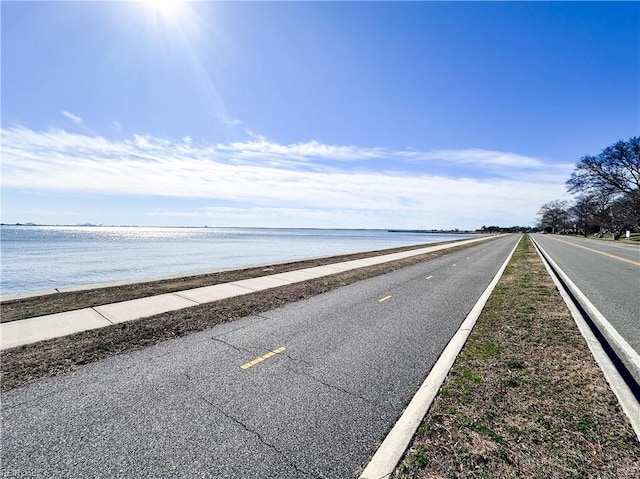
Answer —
634 238
524 398
16 309
28 363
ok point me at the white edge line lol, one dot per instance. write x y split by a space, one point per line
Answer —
628 355
386 458
625 396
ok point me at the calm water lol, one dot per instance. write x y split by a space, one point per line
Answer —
36 258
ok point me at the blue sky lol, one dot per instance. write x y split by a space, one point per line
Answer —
308 114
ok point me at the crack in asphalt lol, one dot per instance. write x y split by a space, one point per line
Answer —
188 380
384 403
302 372
320 381
298 360
297 468
233 346
331 386
256 351
262 318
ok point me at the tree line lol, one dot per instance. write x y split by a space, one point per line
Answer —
607 194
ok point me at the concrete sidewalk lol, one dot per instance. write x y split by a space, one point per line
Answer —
27 331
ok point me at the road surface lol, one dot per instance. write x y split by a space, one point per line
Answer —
607 273
304 391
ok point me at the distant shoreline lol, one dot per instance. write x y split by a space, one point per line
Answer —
200 278
92 225
49 258
447 232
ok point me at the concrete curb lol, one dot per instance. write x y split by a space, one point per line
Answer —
623 349
625 396
390 452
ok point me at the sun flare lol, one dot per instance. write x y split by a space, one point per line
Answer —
165 8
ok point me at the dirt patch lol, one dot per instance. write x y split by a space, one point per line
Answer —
31 362
16 309
525 397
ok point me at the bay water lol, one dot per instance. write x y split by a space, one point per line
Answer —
41 258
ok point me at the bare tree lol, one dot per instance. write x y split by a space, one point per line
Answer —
554 215
583 212
622 214
612 180
616 168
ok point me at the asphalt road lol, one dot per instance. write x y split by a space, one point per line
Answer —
605 272
354 357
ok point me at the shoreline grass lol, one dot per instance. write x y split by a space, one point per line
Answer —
23 308
524 398
26 364
634 238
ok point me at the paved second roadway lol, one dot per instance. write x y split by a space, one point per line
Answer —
307 390
607 273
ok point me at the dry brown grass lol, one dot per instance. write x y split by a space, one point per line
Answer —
17 309
31 362
525 398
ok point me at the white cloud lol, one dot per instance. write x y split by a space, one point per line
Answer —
116 127
301 152
254 135
280 182
74 118
479 157
233 122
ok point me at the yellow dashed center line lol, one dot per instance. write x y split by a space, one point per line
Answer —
600 252
262 358
384 299
429 277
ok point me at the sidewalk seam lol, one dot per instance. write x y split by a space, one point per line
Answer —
94 309
177 293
